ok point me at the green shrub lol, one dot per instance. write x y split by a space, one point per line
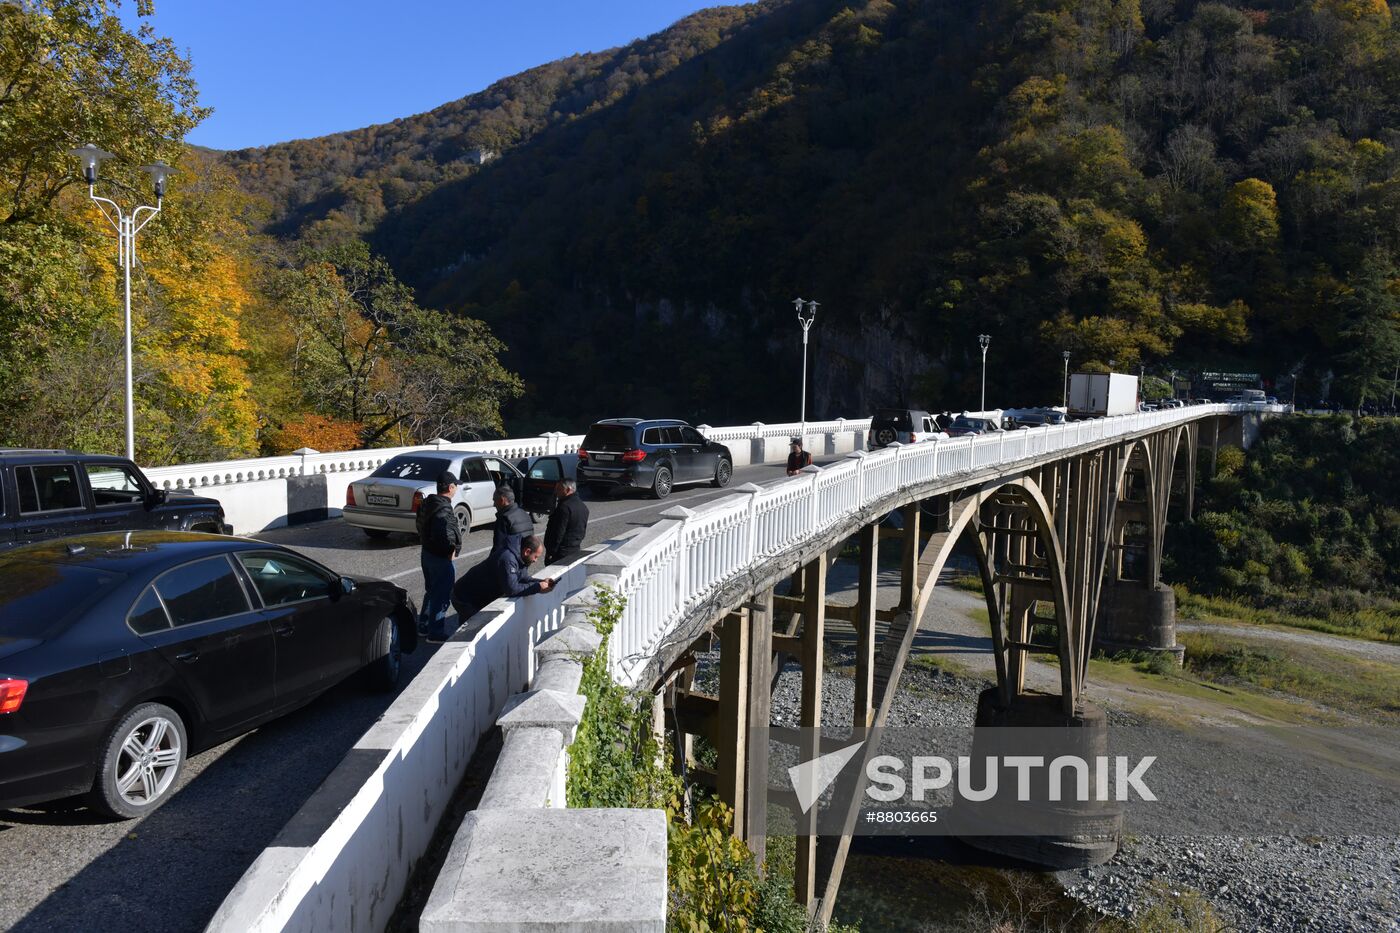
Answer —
617 761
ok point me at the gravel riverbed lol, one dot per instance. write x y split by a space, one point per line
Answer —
1258 883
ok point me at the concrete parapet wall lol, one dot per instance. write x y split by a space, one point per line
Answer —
553 871
342 862
521 861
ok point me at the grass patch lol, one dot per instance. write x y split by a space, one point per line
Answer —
1123 670
1333 679
944 663
1368 624
965 581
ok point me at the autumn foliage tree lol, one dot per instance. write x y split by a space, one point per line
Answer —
60 313
362 351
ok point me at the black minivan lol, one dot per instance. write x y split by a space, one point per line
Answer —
651 454
50 493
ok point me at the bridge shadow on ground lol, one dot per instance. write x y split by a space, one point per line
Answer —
233 802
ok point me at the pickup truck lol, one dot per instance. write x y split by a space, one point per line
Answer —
53 493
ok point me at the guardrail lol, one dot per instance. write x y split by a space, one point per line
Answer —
688 555
342 862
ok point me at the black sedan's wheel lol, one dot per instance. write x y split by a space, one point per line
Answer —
140 762
724 471
464 520
378 534
661 485
383 671
885 437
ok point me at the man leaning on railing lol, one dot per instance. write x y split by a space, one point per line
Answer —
505 573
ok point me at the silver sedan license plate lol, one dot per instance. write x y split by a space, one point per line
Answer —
382 500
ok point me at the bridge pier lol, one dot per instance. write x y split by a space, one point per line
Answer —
1042 831
810 720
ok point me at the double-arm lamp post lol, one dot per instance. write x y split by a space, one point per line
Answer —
127 226
806 314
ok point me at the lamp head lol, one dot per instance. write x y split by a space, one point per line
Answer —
984 340
806 313
159 173
90 157
1065 354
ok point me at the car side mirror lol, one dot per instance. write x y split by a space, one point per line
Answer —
156 498
346 587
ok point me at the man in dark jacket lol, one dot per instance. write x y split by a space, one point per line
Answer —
568 523
441 539
512 522
797 457
503 574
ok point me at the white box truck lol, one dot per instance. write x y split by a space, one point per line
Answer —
1097 395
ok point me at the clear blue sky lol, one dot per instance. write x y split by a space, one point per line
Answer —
275 70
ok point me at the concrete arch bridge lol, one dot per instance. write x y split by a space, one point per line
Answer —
1066 524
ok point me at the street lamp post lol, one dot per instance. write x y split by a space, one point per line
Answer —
127 226
1065 354
806 314
984 341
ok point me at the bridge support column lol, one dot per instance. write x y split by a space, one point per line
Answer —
909 564
733 738
866 607
753 820
813 630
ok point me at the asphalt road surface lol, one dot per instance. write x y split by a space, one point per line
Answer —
67 869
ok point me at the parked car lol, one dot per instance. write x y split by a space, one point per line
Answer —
49 493
901 425
650 454
1031 417
967 425
388 499
121 654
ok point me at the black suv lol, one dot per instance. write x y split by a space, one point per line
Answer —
652 454
50 493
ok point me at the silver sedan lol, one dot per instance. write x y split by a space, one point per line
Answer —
388 499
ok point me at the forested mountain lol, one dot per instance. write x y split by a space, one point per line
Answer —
1142 182
1176 185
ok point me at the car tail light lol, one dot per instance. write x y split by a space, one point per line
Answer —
417 500
634 456
582 455
349 495
12 694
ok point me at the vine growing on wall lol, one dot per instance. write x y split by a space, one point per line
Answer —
617 760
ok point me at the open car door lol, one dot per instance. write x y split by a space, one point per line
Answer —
539 497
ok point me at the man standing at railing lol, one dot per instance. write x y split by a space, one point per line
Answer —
797 457
512 522
442 539
568 524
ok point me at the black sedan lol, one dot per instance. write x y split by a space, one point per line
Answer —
123 653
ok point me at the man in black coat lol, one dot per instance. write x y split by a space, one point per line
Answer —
504 574
512 522
568 523
441 539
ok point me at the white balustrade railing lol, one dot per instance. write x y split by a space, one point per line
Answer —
229 472
692 554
